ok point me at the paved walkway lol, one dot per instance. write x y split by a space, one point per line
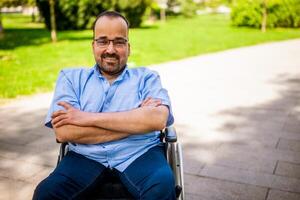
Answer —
238 118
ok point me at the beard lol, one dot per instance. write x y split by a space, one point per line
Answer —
110 64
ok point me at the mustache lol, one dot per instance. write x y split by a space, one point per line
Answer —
106 55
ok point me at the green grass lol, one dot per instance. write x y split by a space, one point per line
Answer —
29 62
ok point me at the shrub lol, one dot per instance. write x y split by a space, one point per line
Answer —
280 13
80 14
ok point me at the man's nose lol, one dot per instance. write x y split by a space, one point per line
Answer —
110 48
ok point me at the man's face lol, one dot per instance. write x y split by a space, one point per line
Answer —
111 56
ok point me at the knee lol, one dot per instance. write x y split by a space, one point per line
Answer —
162 184
166 180
47 189
42 191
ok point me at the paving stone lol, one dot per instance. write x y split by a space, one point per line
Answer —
290 135
251 125
41 175
284 105
286 144
190 196
288 169
293 118
277 116
246 161
259 127
253 178
39 153
268 134
208 188
260 153
9 150
252 139
15 190
295 128
191 166
17 137
265 139
18 170
197 154
281 195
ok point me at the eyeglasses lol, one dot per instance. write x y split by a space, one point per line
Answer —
104 42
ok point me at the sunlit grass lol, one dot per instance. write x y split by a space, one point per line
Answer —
29 62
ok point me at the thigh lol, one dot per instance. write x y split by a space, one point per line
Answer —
150 176
73 178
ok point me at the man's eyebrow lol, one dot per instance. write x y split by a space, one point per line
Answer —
102 37
105 37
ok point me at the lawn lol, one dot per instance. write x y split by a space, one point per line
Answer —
29 62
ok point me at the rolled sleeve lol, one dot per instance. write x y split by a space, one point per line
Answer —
64 91
152 87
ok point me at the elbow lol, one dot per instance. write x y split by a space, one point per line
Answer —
160 126
161 116
60 138
61 135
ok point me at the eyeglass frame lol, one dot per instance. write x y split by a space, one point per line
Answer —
113 42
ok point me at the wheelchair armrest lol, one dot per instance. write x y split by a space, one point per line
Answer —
62 151
170 134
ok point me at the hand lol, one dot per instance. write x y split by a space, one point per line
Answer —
70 116
149 101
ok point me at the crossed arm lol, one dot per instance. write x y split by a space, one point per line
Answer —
73 125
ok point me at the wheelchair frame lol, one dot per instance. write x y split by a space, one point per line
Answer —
173 153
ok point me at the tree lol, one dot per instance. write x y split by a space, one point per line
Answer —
1 27
12 3
53 21
264 16
80 14
162 6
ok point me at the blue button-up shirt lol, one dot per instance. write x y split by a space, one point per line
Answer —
87 90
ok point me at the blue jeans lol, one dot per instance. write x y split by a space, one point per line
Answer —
148 177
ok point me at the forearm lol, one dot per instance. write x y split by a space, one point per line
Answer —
149 117
140 120
86 135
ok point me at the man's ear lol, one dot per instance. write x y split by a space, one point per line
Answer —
93 45
128 49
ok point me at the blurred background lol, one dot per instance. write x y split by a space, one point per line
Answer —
39 37
234 88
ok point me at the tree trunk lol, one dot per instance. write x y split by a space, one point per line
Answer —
162 14
32 14
264 17
52 18
1 28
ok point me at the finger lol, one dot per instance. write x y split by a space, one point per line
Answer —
58 118
153 102
57 113
65 105
145 101
61 123
156 103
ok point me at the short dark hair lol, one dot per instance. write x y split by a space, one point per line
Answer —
112 14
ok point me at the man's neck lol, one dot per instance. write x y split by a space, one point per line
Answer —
110 78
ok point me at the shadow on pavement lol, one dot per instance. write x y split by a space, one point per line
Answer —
243 141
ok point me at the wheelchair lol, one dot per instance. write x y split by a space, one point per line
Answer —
113 189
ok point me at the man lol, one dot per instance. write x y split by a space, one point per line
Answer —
110 116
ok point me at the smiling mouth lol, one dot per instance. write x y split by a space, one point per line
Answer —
110 59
